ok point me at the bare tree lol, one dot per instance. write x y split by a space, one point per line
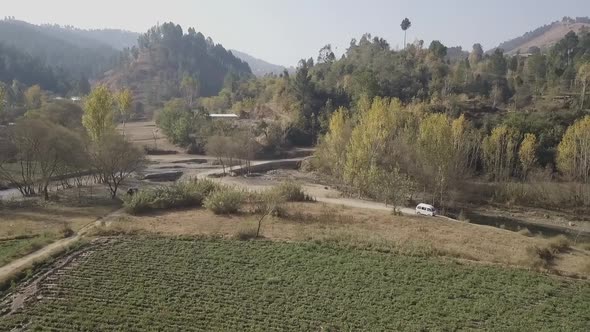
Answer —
270 203
33 154
115 159
218 146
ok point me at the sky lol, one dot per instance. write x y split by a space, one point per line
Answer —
282 32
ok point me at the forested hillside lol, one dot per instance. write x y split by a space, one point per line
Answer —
169 63
61 48
386 121
18 68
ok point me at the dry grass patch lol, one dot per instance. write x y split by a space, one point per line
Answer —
368 229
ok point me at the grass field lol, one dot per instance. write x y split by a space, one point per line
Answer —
362 228
28 225
156 284
16 248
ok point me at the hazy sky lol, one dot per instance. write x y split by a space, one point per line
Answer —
285 31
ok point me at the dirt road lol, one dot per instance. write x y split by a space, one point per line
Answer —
23 263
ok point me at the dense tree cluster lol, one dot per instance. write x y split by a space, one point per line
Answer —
58 139
386 151
166 59
419 117
16 66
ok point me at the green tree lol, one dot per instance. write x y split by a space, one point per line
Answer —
406 24
437 49
190 88
476 55
98 118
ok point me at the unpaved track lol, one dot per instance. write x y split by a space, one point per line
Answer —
27 261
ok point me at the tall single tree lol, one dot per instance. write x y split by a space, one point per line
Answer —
124 99
99 112
499 152
476 55
33 97
406 24
573 152
2 103
584 79
114 159
527 154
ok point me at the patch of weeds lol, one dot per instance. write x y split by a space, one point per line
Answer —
225 201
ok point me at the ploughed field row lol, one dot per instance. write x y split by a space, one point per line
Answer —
160 284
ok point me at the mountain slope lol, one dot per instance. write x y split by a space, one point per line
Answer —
545 36
260 67
16 65
117 39
165 56
76 54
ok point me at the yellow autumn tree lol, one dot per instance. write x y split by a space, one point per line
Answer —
34 97
332 150
124 100
466 143
99 112
499 152
527 154
573 152
437 152
367 144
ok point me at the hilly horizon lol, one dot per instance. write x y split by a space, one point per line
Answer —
91 54
261 67
545 36
371 166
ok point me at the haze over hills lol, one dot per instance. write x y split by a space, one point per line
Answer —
260 67
546 36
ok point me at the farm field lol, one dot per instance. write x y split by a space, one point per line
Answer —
364 228
28 225
156 284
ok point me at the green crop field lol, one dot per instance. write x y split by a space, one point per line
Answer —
161 284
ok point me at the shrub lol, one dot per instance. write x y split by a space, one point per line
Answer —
525 232
66 231
559 244
543 256
292 192
540 257
269 202
181 194
225 201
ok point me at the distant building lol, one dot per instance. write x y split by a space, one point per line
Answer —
224 116
76 99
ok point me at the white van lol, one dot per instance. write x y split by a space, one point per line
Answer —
426 209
